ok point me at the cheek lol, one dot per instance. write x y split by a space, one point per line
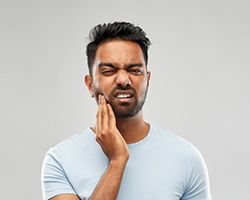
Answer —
103 86
96 87
96 83
141 86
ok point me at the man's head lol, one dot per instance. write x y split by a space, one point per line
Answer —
117 60
117 30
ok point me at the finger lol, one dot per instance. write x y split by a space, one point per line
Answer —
99 117
112 119
105 117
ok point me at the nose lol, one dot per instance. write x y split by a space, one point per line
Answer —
122 78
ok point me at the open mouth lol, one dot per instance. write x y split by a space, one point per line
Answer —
124 96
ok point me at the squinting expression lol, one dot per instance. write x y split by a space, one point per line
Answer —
120 74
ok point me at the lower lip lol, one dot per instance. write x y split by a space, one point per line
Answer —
125 100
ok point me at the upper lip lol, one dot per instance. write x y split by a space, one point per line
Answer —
126 92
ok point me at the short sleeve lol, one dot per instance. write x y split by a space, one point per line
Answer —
53 178
197 184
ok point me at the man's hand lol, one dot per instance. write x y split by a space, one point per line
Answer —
116 149
107 134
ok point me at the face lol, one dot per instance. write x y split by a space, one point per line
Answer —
120 74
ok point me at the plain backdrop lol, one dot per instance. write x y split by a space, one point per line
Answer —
200 85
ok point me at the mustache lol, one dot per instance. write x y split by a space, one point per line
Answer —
115 89
123 87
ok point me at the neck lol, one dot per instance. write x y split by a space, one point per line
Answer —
133 129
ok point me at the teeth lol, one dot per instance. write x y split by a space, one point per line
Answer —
121 96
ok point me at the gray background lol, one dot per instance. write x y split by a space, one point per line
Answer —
199 87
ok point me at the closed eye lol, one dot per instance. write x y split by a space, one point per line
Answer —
108 72
136 71
107 69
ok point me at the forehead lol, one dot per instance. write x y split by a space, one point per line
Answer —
119 52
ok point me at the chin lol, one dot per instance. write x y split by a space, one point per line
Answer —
125 113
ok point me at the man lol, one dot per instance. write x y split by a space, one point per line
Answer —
122 156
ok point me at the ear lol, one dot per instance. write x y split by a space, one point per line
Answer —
88 82
148 75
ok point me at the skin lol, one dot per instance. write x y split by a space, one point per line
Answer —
117 63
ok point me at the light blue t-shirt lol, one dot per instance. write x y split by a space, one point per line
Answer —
162 166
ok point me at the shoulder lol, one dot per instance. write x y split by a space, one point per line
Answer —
73 144
170 138
191 160
175 144
57 165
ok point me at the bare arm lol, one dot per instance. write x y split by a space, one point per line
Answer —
65 197
109 184
116 149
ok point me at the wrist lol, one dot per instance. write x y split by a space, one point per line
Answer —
119 163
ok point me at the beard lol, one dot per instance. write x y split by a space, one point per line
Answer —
128 110
124 110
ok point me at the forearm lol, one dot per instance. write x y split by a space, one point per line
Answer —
109 184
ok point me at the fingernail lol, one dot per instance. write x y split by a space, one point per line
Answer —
99 98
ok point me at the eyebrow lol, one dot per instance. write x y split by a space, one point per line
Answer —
135 65
127 66
106 64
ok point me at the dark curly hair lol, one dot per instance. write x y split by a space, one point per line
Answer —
116 30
